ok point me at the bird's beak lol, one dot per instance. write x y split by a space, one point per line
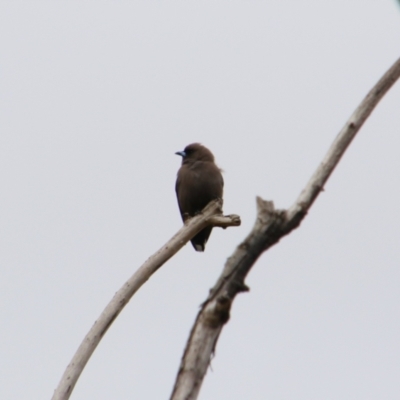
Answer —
181 153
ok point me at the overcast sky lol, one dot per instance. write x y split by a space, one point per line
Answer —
95 98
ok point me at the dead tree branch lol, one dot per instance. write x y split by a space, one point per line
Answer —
211 215
271 225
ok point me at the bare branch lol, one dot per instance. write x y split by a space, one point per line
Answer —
271 225
211 215
342 141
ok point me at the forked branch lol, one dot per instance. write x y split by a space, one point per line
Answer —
271 225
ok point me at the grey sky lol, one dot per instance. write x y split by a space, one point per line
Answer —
95 98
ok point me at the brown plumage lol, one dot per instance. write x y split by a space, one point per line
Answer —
199 181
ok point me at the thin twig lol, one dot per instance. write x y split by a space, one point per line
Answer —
271 225
211 215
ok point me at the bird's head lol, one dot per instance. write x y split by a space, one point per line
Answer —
195 152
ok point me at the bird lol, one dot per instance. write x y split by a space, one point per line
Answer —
198 182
